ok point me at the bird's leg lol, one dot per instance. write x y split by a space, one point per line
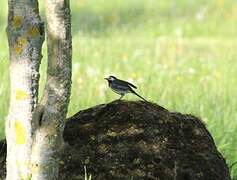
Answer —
121 96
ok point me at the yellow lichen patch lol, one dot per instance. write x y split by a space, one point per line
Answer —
33 31
20 44
19 133
17 50
18 163
22 41
21 95
17 21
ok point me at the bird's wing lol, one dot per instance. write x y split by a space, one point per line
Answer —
127 83
130 84
121 85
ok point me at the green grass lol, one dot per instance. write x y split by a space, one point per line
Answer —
181 54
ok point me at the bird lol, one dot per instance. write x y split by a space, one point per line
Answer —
122 87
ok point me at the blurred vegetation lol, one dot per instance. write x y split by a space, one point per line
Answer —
181 54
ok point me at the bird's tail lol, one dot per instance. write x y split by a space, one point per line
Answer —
139 96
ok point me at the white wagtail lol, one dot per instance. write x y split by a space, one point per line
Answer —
121 87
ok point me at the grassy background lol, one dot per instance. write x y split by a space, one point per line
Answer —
181 54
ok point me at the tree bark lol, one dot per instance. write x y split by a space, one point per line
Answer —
52 109
25 37
34 131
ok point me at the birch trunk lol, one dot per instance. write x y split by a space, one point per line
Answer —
25 37
34 131
52 109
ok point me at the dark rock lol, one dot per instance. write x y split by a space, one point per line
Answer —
139 140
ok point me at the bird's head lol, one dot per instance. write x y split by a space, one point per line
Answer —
111 78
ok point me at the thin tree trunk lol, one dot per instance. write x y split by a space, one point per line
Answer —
25 36
52 109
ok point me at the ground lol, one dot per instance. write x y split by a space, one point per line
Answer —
139 140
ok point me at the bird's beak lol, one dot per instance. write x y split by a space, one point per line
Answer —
106 79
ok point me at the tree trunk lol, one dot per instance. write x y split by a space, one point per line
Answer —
52 109
25 36
34 131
